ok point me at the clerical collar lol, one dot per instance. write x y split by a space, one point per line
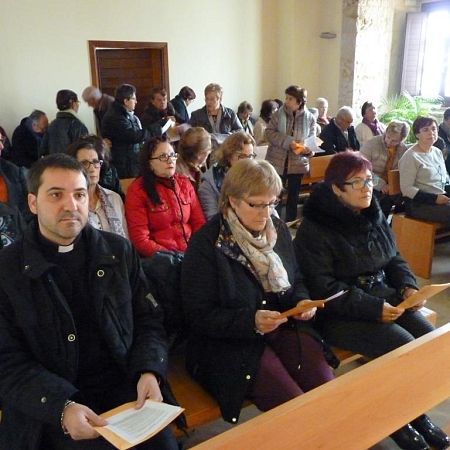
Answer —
54 247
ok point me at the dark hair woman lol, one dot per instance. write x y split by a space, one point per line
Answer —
106 210
286 132
423 175
268 107
162 209
344 242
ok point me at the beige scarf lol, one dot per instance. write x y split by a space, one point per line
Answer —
259 251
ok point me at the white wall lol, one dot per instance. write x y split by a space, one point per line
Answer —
253 48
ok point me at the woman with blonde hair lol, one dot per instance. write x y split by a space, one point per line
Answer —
234 148
193 149
239 272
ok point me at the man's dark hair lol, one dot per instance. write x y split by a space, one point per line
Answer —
53 161
36 115
124 92
157 90
186 93
65 98
447 114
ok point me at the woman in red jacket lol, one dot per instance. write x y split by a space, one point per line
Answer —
161 206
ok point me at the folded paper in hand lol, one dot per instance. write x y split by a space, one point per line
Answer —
422 294
313 143
310 305
128 426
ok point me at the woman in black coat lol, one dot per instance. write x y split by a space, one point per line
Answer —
344 242
238 273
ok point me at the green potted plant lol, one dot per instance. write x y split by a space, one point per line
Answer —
407 108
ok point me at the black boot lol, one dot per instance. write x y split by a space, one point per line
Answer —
432 434
408 438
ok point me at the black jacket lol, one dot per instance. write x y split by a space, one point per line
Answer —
125 133
61 132
153 116
334 141
220 298
38 339
180 107
334 246
26 143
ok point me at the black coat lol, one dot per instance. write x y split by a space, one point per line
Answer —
125 133
38 359
220 299
61 132
153 116
26 143
180 107
334 141
334 246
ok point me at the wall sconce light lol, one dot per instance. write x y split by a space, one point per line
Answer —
328 35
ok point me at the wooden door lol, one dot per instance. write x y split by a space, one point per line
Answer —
142 64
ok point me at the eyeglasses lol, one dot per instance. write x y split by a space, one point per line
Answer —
261 206
244 156
360 183
164 157
97 163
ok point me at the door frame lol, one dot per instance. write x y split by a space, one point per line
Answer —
123 45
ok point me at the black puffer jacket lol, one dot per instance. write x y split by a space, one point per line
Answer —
334 246
38 339
220 298
61 132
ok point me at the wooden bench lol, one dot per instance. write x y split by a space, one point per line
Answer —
415 238
125 183
317 167
356 410
201 408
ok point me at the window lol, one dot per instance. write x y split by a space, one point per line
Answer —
427 54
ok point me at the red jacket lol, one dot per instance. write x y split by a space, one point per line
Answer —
163 227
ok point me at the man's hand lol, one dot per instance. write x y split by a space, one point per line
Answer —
79 421
147 388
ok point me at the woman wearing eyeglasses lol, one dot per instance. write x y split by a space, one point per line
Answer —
344 242
238 273
106 209
423 175
162 208
234 148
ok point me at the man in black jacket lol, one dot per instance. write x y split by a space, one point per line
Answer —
122 127
27 138
79 331
339 135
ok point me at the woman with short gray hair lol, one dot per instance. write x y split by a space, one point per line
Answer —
384 152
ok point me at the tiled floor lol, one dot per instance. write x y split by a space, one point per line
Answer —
440 303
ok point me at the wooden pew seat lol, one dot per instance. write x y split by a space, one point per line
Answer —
415 238
201 408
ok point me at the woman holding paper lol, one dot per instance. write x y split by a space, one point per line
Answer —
238 274
344 242
287 130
